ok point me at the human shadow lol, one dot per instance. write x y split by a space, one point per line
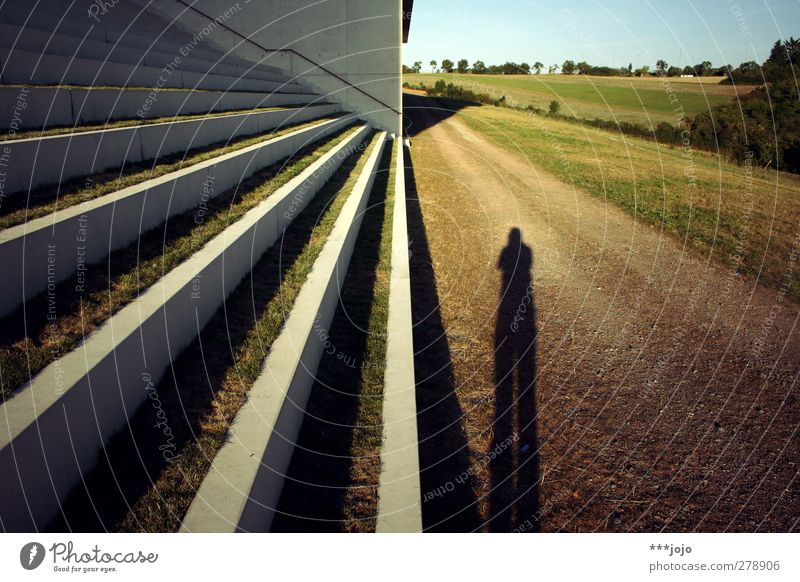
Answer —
449 503
514 456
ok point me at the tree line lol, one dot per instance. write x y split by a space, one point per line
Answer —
741 73
760 127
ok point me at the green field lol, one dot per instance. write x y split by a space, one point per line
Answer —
639 100
713 205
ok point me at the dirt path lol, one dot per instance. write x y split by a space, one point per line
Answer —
663 386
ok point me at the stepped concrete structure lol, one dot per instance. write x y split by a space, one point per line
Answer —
118 117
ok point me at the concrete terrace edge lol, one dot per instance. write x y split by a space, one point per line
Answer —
399 493
53 159
88 232
50 69
74 106
243 486
72 408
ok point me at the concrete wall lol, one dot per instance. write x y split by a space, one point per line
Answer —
52 106
359 40
49 249
54 159
52 430
244 484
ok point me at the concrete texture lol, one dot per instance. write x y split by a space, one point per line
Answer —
244 484
128 25
51 431
399 493
23 67
51 107
54 159
359 40
40 41
88 232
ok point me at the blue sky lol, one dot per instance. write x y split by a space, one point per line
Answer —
608 32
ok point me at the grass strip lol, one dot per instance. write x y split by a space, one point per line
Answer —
138 486
31 339
45 200
332 481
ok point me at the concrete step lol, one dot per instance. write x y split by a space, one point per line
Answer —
123 14
46 107
399 492
243 486
24 67
91 230
51 431
135 30
43 42
54 159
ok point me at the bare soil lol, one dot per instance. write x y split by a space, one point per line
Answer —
638 385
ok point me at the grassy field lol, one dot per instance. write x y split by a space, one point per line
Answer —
733 211
640 100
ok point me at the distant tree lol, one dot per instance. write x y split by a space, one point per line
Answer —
764 126
687 70
538 66
555 106
703 69
583 68
407 70
552 69
463 66
661 66
568 68
782 61
630 69
417 66
603 71
433 65
447 66
674 72
479 68
643 71
748 67
525 68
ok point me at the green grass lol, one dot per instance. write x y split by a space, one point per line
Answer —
47 199
129 271
334 476
638 100
717 211
209 382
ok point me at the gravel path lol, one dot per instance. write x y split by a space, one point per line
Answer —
662 385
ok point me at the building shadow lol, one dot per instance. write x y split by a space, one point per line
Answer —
449 503
421 112
514 455
314 494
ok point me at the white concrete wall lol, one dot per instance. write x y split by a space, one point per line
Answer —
360 40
